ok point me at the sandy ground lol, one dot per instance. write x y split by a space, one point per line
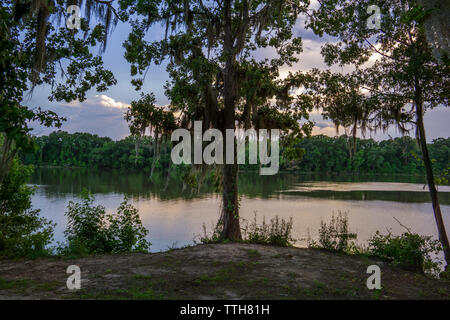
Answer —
219 271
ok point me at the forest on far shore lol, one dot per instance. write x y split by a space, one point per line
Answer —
320 154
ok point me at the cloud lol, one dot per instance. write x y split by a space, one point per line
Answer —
99 100
101 114
106 101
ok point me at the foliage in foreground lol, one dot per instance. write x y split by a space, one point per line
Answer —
277 232
22 231
91 230
334 236
409 250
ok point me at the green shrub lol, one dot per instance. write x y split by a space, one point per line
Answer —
277 232
90 230
127 230
409 250
335 236
22 231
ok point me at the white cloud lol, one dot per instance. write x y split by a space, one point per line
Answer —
106 101
99 100
99 114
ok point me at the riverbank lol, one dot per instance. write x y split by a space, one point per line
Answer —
244 170
218 271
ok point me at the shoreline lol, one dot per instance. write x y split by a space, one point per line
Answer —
241 170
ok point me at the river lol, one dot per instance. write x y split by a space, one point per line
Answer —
175 215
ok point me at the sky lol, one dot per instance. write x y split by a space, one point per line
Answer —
102 112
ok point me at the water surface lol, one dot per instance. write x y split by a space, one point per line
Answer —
174 214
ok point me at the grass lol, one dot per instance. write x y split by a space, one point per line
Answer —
229 274
253 253
22 285
142 277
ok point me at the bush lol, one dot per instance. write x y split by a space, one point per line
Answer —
22 231
335 236
277 232
127 230
409 250
90 230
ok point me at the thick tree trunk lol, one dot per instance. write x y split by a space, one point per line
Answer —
230 203
230 210
430 180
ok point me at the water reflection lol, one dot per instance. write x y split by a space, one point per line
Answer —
400 196
59 182
175 214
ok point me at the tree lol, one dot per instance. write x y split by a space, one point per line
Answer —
22 231
32 49
402 83
437 27
138 117
143 115
215 77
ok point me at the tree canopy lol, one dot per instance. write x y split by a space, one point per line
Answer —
210 47
34 47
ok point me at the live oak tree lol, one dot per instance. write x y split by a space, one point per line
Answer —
398 86
211 47
340 99
35 44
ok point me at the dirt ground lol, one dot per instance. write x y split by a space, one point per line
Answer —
219 271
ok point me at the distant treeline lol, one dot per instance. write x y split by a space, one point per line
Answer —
399 155
321 154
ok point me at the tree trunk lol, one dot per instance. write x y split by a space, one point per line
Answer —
156 153
136 150
230 210
430 179
7 155
155 159
230 203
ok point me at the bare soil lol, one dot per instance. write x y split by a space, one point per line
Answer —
217 271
